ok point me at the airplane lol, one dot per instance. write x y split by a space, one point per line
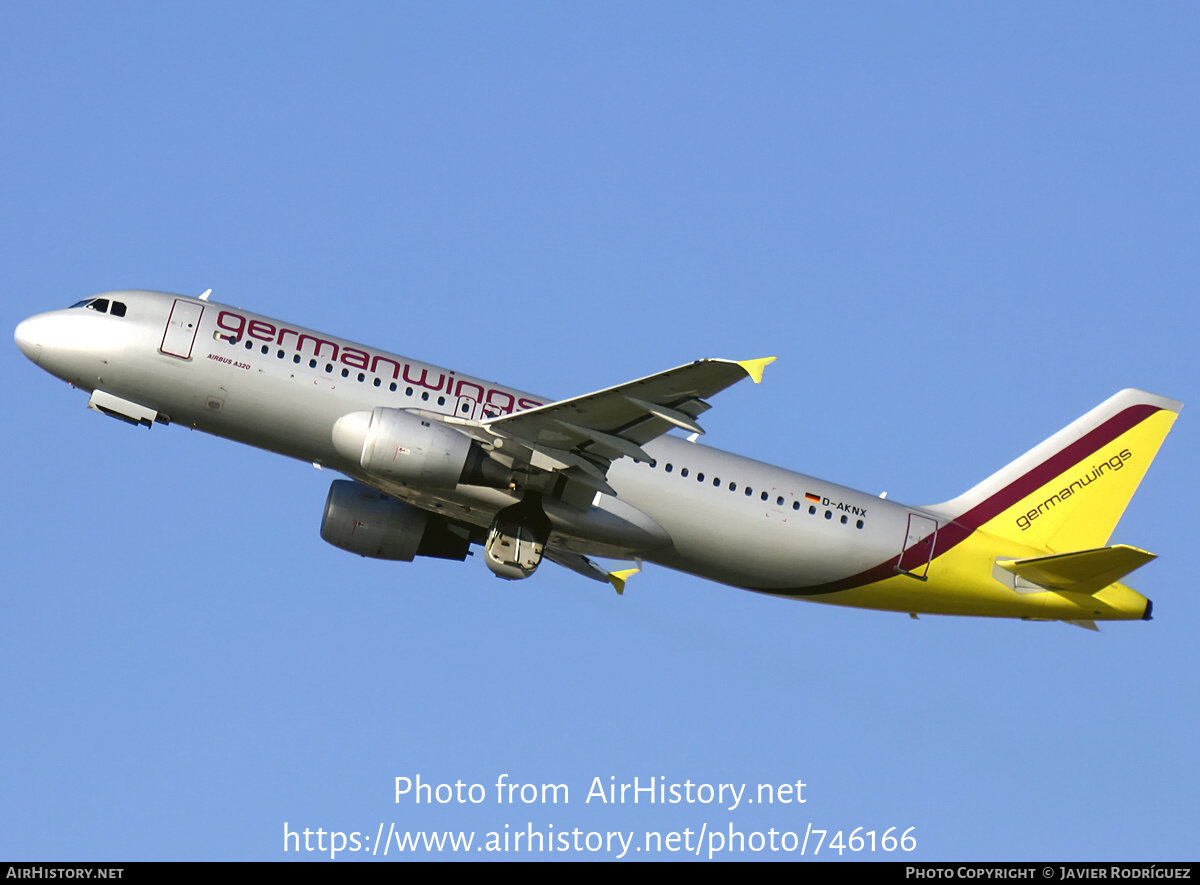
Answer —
438 461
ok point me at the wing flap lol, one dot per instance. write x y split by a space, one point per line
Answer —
677 416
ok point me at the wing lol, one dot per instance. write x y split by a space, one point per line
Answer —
578 439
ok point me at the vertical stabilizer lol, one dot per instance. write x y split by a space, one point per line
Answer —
1068 493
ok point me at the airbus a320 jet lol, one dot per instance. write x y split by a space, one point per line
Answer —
439 461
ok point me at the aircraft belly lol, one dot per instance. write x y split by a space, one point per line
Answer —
769 558
611 527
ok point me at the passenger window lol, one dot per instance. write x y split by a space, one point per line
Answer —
683 472
699 477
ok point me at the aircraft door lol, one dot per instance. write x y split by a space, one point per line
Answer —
181 330
919 545
468 407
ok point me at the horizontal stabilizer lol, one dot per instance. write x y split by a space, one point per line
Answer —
1085 571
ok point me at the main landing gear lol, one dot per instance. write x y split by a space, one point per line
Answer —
517 539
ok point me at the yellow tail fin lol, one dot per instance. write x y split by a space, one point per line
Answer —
1068 493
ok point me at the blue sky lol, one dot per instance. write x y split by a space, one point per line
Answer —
958 226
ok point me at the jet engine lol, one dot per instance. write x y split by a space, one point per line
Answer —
417 451
363 521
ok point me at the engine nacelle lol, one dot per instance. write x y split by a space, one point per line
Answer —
424 452
360 520
399 445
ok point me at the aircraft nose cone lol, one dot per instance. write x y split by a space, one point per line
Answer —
28 339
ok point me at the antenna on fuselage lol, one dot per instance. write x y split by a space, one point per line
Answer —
207 292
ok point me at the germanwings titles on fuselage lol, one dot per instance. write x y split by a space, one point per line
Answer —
439 461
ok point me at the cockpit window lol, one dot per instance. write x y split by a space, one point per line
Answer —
102 305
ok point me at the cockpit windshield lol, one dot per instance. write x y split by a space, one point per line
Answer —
101 305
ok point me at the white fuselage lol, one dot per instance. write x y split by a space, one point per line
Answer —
280 387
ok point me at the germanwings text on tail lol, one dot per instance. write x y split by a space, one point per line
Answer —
439 461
